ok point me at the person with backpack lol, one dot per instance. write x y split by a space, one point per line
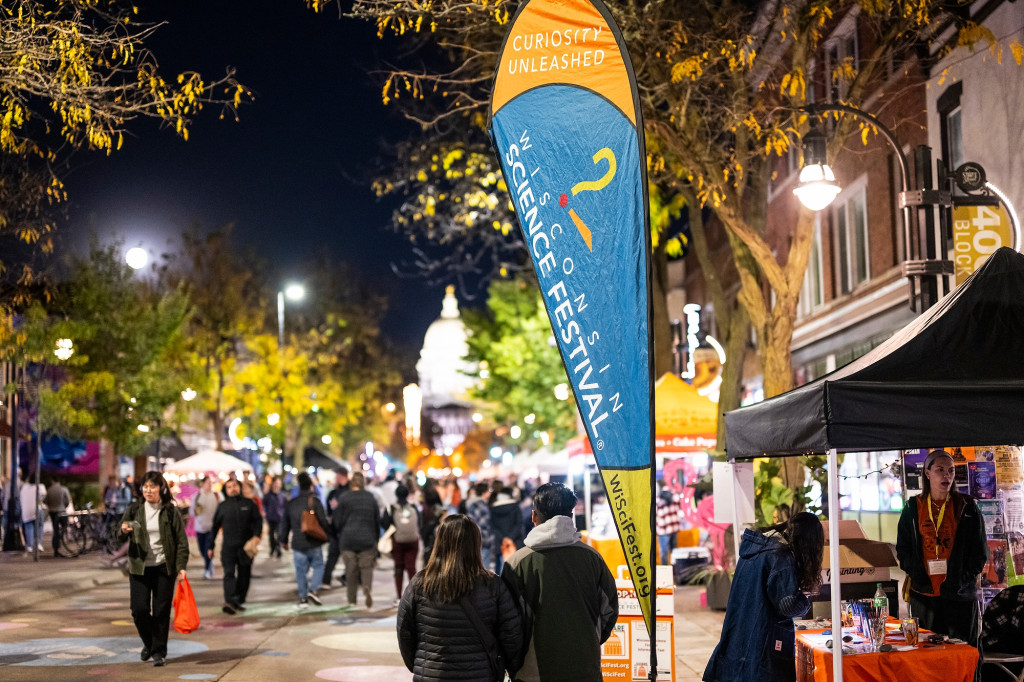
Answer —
405 543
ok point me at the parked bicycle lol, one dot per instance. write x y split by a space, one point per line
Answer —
88 529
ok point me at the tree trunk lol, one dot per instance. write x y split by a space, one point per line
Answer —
661 326
731 391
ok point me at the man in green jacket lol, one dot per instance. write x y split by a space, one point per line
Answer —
580 604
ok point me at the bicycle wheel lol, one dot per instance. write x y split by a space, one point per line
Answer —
112 541
91 532
72 538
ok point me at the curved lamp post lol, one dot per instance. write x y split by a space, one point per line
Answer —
922 264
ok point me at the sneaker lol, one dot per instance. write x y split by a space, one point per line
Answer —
369 599
208 574
145 655
303 603
158 661
314 598
239 607
325 587
228 609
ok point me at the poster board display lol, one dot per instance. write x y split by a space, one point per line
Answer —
626 654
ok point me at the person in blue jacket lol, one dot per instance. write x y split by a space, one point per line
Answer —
778 565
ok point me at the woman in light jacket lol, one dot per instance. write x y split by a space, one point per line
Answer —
436 632
157 555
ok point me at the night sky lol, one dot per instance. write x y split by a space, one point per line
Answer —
292 174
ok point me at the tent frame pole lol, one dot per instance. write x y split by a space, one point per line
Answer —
736 530
834 513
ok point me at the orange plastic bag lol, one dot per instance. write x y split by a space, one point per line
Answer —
186 613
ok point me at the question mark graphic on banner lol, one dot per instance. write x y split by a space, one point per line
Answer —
605 154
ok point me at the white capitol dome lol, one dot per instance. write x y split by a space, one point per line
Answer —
442 366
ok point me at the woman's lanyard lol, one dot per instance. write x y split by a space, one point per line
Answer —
942 512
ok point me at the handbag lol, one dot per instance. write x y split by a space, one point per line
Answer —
486 638
186 614
385 545
311 525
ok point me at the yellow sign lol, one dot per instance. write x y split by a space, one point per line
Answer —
977 232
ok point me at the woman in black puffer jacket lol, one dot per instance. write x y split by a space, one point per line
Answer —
435 631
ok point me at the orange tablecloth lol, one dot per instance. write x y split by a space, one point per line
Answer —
943 663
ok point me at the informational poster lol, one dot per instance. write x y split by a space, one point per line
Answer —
1009 467
994 573
1016 546
640 652
962 482
1013 510
626 654
992 514
982 476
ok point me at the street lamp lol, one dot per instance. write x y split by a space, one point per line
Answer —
294 292
65 349
922 265
816 187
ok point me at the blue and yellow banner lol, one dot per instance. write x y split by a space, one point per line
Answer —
566 124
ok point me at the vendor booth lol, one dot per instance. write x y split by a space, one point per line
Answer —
684 428
954 376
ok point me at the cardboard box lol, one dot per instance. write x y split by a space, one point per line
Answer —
860 559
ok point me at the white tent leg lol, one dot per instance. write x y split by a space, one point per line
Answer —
737 530
833 557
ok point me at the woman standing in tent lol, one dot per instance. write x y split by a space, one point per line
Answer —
776 567
940 543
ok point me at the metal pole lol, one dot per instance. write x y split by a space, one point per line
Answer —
280 350
39 466
12 540
833 560
736 532
159 462
280 320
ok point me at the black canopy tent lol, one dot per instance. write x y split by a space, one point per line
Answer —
953 376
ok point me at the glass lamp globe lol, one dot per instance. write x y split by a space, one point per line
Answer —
817 186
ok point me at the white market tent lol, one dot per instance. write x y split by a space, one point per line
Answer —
207 460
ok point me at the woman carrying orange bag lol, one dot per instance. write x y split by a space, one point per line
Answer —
157 553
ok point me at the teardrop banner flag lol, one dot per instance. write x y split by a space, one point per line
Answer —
565 122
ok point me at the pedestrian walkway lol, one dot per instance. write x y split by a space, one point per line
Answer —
272 639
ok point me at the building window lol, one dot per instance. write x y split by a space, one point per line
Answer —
948 106
842 59
812 293
850 221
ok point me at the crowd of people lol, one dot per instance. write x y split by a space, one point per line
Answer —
37 503
505 580
493 578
